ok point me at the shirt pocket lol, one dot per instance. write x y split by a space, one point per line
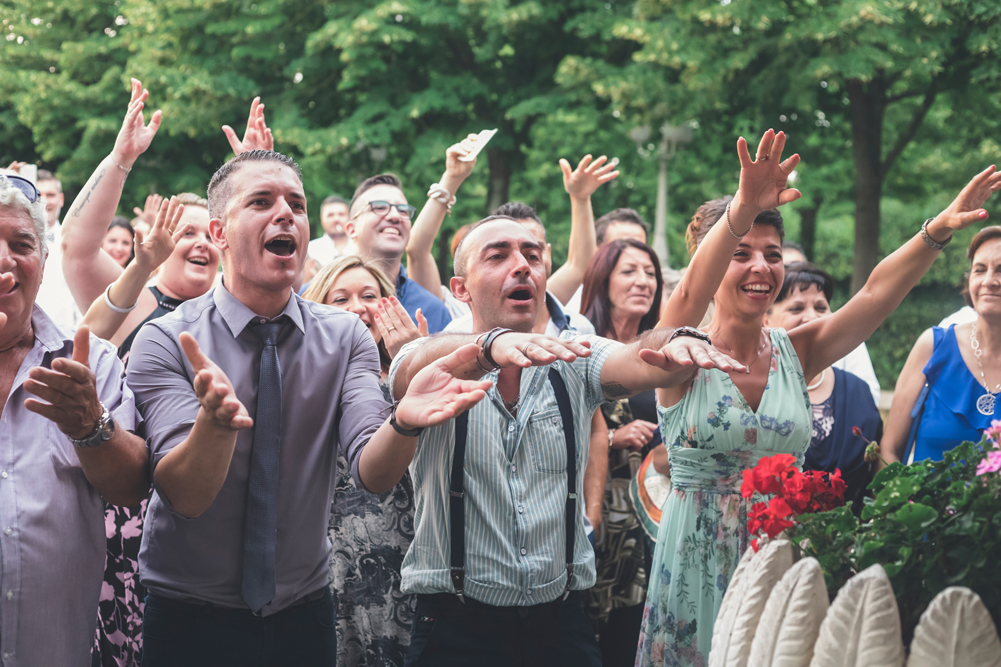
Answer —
546 442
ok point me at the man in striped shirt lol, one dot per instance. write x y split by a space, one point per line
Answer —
500 553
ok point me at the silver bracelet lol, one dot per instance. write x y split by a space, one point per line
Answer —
121 311
929 241
726 214
125 169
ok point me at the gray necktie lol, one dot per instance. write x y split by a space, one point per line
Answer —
258 587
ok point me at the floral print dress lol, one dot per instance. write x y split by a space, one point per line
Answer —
712 436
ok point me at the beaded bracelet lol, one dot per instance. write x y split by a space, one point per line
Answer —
726 214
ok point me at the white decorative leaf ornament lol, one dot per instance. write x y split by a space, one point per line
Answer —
955 631
862 627
744 603
790 622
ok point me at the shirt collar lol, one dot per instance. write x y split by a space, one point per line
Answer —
47 333
237 316
401 278
556 313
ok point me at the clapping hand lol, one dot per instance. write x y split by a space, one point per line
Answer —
967 208
70 390
686 352
763 182
257 135
585 179
154 249
435 395
395 326
135 136
214 390
150 209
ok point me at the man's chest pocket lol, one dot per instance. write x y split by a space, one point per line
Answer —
546 442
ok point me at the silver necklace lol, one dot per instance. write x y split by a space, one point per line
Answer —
985 404
818 382
760 349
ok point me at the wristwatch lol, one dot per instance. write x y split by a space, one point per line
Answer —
405 432
691 332
103 431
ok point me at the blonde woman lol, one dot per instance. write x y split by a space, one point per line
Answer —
371 533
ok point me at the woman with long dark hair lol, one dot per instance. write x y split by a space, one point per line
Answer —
622 293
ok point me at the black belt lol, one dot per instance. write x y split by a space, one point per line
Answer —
456 503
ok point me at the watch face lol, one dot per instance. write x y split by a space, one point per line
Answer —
108 429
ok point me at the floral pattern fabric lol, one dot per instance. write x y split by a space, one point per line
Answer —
370 535
119 620
712 436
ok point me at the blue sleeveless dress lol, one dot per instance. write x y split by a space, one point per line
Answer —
950 412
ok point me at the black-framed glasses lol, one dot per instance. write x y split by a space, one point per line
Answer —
25 186
381 208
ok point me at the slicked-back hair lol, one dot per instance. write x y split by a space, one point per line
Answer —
371 182
710 213
803 276
460 261
221 187
333 199
627 215
518 211
191 199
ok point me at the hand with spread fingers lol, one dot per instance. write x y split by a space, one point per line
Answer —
395 326
214 390
68 390
153 249
519 349
967 207
150 209
764 181
435 395
685 352
135 136
635 435
257 136
588 176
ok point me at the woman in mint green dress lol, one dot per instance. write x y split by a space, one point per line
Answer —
719 424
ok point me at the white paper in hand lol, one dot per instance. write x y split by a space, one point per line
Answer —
478 143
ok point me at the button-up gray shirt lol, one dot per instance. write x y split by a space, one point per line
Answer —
52 541
330 396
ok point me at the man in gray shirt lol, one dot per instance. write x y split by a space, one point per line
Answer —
246 392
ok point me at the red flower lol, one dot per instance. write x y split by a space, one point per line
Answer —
756 517
747 488
771 471
776 518
797 491
856 431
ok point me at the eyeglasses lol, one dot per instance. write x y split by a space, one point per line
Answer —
25 186
381 209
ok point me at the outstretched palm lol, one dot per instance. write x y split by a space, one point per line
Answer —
135 136
763 181
435 395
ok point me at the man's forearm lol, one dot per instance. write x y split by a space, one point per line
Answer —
192 474
118 468
384 459
624 374
436 347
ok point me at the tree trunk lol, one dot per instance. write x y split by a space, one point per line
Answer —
868 107
500 178
808 228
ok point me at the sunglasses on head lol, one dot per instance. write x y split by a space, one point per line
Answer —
24 185
381 208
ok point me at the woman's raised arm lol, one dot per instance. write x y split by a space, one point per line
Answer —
762 187
88 269
822 342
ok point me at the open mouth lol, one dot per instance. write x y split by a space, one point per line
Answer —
198 261
757 289
283 246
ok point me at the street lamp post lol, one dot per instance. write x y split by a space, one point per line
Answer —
672 138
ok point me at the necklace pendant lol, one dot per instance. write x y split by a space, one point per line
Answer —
985 405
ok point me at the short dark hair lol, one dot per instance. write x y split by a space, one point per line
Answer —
710 213
459 262
803 276
518 211
43 175
792 245
371 182
983 236
595 304
628 215
333 199
220 189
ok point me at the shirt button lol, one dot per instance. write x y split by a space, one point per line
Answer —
511 428
6 656
529 591
10 594
514 468
3 474
521 510
8 531
556 420
524 551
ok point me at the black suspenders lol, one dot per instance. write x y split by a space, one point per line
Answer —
457 516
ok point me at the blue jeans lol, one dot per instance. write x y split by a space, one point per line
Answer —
189 634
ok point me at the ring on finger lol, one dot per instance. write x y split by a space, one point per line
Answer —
763 158
524 350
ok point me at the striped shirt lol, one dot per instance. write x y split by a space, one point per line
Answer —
515 489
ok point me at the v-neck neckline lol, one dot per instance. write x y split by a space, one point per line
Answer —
768 380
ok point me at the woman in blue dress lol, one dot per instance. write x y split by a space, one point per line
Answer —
947 392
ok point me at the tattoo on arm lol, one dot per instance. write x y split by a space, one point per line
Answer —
614 391
97 180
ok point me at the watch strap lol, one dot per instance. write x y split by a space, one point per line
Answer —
405 432
103 430
690 332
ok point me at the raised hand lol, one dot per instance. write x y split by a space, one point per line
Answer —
69 390
214 390
518 349
456 168
435 395
634 435
257 135
150 209
395 326
154 249
685 352
588 176
763 181
967 208
135 136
